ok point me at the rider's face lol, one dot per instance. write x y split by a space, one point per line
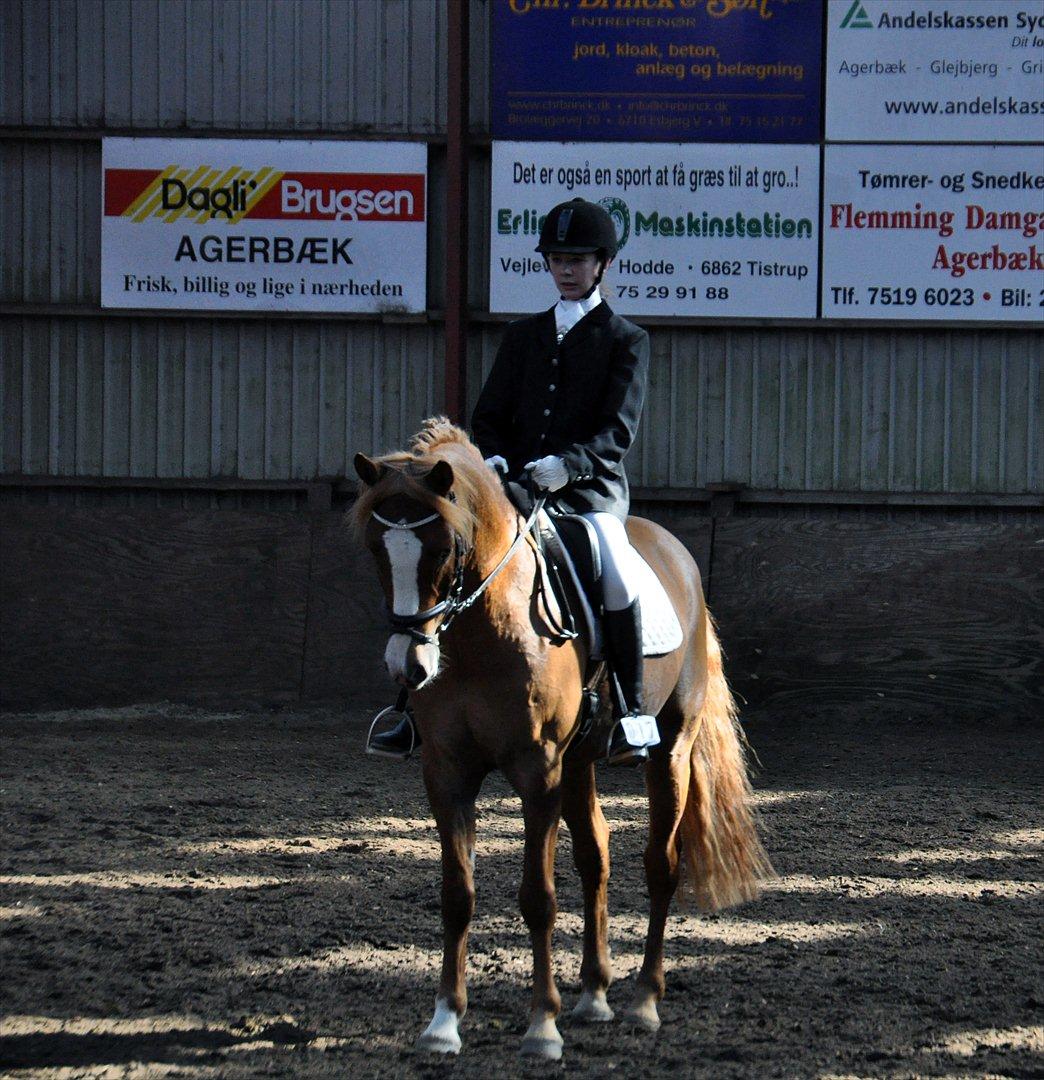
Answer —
574 274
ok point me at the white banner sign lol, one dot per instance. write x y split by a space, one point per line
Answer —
954 234
935 70
247 225
704 229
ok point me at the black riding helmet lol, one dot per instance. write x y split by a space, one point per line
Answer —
578 227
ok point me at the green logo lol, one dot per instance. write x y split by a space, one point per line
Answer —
857 18
617 210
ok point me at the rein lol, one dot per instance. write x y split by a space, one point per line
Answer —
452 605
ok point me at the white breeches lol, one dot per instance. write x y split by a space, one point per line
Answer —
619 561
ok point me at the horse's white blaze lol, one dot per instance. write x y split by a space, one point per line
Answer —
441 1035
404 551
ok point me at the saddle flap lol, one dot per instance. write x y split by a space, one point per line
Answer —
573 543
581 542
578 571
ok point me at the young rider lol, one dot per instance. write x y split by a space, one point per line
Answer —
563 402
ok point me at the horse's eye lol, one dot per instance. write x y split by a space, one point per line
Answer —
444 554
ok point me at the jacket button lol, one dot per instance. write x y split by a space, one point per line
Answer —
551 387
547 412
554 361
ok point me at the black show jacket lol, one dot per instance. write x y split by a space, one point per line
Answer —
581 400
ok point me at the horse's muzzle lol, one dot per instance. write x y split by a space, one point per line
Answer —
411 663
413 678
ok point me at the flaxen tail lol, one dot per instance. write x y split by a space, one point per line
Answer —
723 860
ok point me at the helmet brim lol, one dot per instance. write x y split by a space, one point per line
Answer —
555 249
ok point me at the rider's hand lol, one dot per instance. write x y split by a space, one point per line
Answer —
549 473
497 464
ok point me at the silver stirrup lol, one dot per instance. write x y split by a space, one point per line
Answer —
641 733
371 749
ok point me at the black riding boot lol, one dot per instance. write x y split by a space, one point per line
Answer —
398 742
623 639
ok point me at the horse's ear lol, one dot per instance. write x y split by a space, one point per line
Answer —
440 479
369 471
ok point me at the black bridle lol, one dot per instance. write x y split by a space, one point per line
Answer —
452 604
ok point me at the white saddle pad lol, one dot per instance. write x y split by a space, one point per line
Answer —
661 631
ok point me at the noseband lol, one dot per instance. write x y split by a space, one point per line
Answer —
451 605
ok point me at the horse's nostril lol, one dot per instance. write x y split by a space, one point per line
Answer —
415 673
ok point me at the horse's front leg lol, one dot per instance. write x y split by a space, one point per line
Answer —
541 809
452 797
583 815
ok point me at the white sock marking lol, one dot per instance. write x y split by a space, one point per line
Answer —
441 1035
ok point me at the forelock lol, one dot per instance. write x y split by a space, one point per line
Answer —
404 475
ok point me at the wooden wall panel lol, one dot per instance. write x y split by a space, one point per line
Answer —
347 624
108 607
941 617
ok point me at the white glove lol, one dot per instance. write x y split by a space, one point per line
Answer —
497 464
549 473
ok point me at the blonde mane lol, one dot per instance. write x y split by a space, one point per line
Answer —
479 499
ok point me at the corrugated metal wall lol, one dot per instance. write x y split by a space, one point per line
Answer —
318 66
86 393
141 397
831 410
788 410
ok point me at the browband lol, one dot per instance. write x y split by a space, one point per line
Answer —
405 524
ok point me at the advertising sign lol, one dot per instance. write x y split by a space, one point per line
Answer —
943 71
657 70
954 234
715 230
247 225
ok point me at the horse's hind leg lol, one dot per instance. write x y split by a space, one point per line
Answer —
590 834
452 799
667 778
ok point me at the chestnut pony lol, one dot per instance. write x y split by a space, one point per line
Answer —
498 691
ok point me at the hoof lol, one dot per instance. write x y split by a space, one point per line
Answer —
542 1041
440 1036
592 1008
438 1044
643 1014
544 1049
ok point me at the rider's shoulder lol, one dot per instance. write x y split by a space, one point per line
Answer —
531 323
624 328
